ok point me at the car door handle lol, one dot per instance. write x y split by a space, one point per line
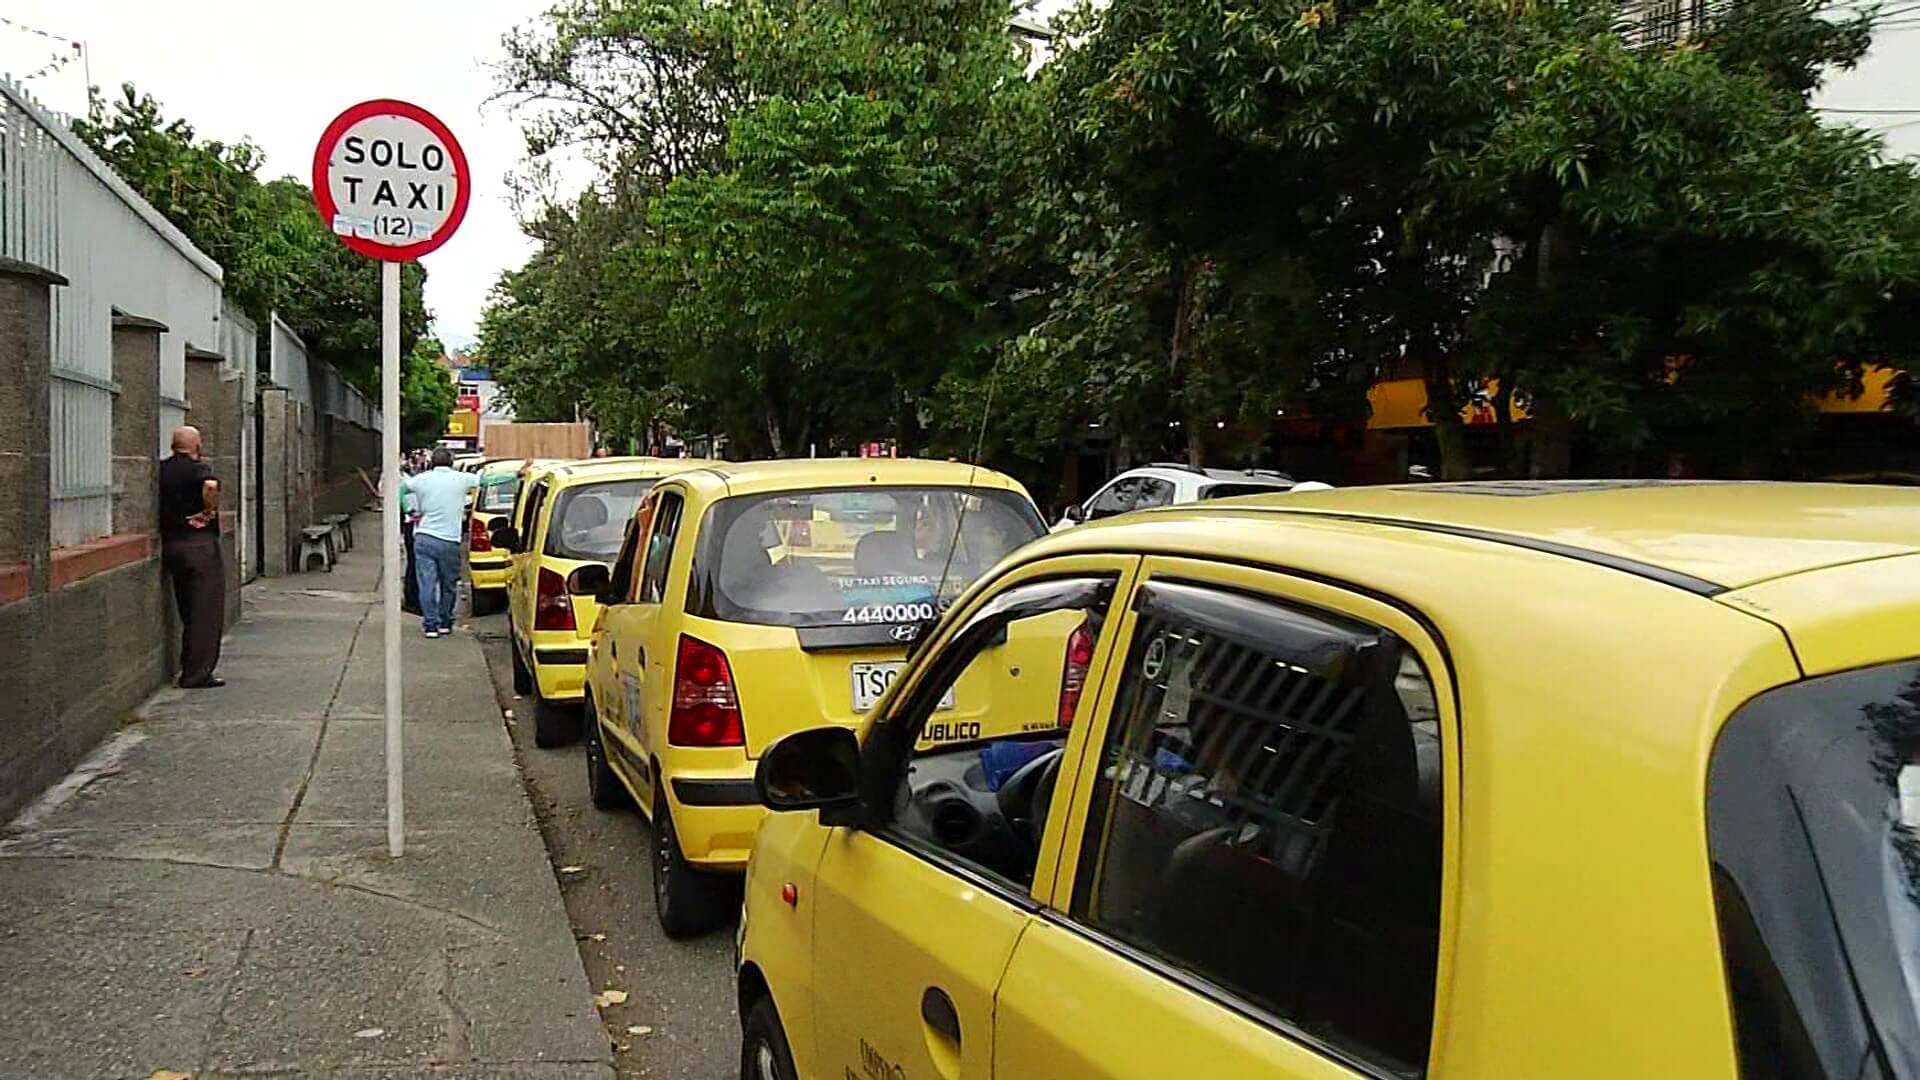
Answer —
938 1013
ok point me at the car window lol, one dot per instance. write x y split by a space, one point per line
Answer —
1267 817
838 557
589 520
990 722
530 516
496 493
659 554
1231 490
1153 492
1813 826
621 582
1117 498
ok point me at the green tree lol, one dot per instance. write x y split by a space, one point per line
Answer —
1510 191
427 395
276 253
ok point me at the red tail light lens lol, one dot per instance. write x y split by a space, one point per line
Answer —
1073 676
477 536
552 607
706 711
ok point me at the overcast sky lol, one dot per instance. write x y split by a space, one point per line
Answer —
276 72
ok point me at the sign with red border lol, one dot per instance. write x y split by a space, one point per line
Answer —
391 180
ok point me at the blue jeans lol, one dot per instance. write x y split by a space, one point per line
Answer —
437 565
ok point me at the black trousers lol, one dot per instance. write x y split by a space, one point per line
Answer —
410 591
200 591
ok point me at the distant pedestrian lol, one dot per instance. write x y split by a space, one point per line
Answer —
190 553
440 494
409 517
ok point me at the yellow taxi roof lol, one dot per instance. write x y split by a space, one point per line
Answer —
749 477
1711 536
632 468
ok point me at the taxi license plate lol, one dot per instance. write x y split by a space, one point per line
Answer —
871 680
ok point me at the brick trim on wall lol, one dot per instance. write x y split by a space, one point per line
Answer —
16 581
78 562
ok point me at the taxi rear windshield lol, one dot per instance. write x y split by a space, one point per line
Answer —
497 492
852 557
590 520
1813 819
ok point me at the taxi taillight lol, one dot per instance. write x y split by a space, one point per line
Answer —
1073 675
706 711
552 607
477 537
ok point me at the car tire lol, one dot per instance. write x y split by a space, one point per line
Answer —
553 725
522 678
687 902
764 1053
604 789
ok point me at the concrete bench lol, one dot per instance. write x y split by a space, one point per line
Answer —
342 525
317 541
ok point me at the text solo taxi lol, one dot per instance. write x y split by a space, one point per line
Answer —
752 600
1493 781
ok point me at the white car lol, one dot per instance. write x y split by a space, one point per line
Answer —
1167 484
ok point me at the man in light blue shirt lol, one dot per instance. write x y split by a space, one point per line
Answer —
440 496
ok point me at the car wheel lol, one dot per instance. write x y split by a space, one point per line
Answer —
553 725
764 1054
522 678
686 901
603 787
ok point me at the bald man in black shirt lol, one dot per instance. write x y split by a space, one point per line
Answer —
190 551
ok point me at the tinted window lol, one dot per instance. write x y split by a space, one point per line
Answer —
1267 816
1813 815
590 520
1116 499
991 720
653 582
621 581
875 555
1153 492
530 515
1230 490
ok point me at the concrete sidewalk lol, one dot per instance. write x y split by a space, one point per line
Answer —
210 892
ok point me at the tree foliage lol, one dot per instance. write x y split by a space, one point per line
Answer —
427 395
276 253
819 223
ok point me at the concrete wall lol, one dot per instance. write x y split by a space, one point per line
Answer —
85 629
89 630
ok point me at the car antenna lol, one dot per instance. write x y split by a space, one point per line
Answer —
973 472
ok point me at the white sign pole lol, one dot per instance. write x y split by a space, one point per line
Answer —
392 183
394 565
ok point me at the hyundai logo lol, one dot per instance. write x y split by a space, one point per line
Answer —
906 631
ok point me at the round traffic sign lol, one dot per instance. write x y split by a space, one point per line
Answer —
390 180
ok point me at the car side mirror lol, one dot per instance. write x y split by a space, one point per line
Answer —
505 537
1075 513
814 769
589 580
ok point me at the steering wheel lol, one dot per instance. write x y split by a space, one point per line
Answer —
1028 794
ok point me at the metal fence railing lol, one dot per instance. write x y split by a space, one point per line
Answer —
62 208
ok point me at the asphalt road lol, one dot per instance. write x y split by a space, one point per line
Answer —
680 991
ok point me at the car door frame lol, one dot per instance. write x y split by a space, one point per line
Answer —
632 735
915 691
525 553
1283 587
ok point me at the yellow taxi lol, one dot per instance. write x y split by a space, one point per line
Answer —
488 567
756 599
566 515
1580 781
